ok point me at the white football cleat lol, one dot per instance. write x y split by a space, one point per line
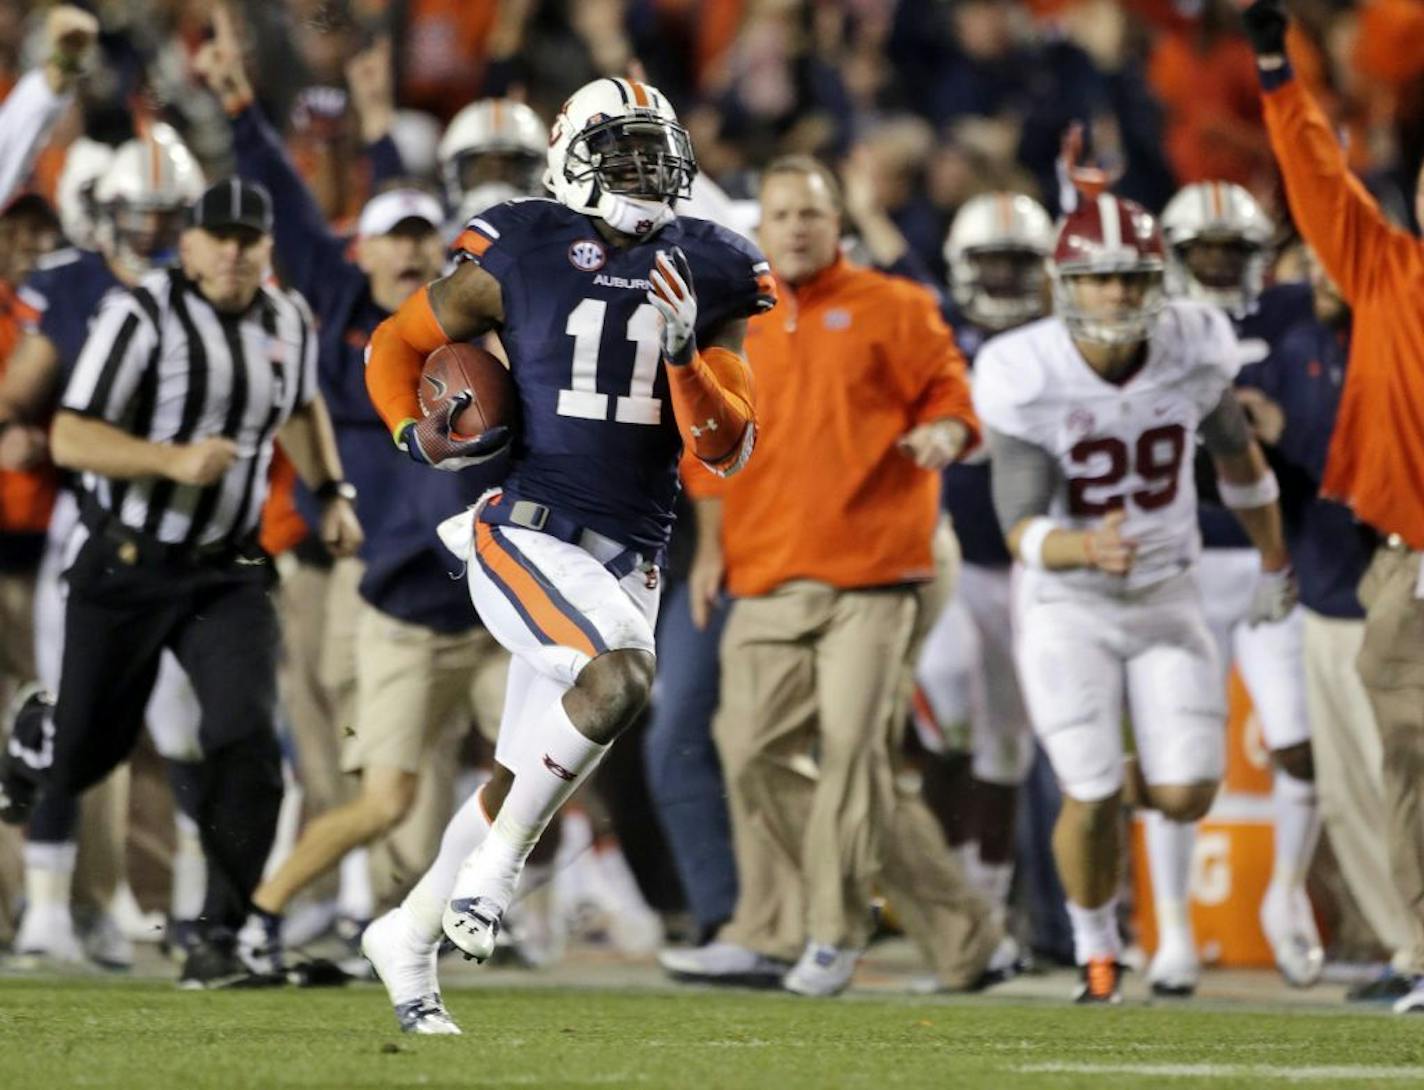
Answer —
722 963
472 924
106 944
1412 1002
1289 926
823 971
406 966
47 933
1175 970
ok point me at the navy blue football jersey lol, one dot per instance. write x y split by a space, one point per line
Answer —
967 493
62 295
1260 332
598 441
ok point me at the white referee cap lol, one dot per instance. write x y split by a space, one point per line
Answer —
385 211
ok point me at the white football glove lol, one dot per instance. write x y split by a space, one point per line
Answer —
1275 596
676 303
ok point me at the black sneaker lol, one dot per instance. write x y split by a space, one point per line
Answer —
1385 988
28 753
214 963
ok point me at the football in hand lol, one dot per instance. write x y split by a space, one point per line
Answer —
454 369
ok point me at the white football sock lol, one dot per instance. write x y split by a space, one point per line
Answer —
49 873
190 870
1095 933
355 898
1297 815
541 786
1169 856
426 901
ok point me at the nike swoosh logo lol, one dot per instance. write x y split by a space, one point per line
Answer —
440 387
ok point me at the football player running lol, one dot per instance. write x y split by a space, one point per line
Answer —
624 325
996 252
1218 246
1091 417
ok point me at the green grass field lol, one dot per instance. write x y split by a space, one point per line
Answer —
150 1035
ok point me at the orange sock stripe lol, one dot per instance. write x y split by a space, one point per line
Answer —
531 597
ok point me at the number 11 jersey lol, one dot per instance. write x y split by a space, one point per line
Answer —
598 441
1117 445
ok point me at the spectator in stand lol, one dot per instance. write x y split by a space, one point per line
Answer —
1377 450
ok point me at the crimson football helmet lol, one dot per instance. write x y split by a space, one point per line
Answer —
1107 236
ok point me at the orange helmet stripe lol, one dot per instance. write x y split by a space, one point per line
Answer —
640 93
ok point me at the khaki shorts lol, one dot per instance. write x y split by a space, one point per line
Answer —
412 684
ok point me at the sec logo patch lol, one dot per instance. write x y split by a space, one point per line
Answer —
587 255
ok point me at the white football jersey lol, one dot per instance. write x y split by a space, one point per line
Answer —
1129 445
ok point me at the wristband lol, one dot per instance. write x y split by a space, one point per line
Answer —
1032 539
1258 493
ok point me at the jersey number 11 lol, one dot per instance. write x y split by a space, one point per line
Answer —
582 399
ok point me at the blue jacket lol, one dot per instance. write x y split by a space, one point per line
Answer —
409 573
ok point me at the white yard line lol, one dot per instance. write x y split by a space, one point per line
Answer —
1277 1072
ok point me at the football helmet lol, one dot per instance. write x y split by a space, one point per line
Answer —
996 250
1232 274
85 163
492 151
143 198
617 152
1108 235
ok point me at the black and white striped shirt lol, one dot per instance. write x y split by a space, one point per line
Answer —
163 365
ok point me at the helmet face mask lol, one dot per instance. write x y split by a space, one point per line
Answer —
142 198
1109 272
519 170
996 251
1219 245
618 153
146 232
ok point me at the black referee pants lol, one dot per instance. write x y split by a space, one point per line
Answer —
124 607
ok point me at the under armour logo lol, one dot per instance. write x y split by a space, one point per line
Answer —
558 769
697 432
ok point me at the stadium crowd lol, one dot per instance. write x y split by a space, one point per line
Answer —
839 742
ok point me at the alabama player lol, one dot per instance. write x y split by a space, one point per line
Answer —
1092 416
1218 246
996 252
623 325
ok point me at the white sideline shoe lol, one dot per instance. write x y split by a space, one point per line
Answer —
1412 1002
406 966
722 963
1175 970
47 932
1289 926
822 971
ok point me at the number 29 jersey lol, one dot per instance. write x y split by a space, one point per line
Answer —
598 441
1126 445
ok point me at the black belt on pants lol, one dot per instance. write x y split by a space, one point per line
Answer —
134 547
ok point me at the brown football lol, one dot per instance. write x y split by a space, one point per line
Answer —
454 369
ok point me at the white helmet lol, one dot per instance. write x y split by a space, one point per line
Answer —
496 144
85 163
143 198
1225 213
617 152
999 295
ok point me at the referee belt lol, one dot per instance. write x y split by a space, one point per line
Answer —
134 547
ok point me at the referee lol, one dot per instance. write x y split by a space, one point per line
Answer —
170 415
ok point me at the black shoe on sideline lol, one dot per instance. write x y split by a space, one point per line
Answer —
214 963
1385 988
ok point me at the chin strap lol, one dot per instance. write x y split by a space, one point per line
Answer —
633 216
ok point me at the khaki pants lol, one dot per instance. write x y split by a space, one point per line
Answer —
1349 776
812 679
17 665
1391 665
417 693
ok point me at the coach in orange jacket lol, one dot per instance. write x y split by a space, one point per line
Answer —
824 540
1376 462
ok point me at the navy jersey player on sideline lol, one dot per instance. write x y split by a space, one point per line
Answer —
1219 244
623 324
996 251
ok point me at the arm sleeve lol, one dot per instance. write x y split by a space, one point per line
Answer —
1333 210
938 377
712 400
1023 476
310 256
1225 430
395 357
1024 479
121 347
26 117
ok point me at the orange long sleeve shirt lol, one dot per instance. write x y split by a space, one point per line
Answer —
846 365
1376 462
